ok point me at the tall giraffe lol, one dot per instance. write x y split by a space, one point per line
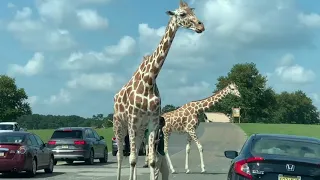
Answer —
184 121
139 101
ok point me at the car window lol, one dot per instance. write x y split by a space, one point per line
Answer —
11 138
70 134
33 140
284 147
96 135
89 134
38 139
6 127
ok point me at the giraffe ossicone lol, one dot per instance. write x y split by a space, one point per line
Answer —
184 121
138 102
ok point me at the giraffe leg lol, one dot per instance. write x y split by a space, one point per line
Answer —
194 137
133 148
119 134
188 146
166 144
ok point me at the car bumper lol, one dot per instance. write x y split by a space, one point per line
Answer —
16 164
70 154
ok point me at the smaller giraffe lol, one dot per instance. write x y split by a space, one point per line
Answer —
184 121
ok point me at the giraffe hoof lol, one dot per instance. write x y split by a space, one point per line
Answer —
188 171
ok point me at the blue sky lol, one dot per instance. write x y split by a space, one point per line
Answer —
73 56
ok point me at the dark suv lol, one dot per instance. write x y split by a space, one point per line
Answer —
78 144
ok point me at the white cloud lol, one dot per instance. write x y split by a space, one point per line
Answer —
62 97
32 100
11 5
38 34
289 72
110 55
90 19
310 20
54 9
96 82
33 67
233 28
60 10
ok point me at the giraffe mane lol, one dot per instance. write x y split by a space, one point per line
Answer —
209 96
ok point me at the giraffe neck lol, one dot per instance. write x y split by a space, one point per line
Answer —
204 104
152 64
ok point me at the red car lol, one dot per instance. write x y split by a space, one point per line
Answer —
24 151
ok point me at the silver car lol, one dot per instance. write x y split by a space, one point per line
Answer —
78 144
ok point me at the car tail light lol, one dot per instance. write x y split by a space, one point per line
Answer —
113 139
80 142
51 142
67 130
242 168
22 150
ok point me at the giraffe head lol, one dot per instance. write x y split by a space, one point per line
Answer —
185 17
232 88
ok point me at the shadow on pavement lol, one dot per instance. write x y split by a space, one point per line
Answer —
212 173
40 175
84 164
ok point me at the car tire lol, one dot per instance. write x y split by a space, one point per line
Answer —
50 167
114 153
69 162
105 156
90 160
33 171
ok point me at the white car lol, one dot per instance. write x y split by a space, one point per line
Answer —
10 127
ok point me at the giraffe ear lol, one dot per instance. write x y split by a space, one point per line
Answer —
170 13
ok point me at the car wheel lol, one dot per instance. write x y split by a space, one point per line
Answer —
105 156
90 160
33 171
49 169
69 162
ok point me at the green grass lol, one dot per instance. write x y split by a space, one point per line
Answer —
291 129
45 134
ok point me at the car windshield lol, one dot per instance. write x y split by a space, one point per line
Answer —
285 147
11 138
74 134
6 127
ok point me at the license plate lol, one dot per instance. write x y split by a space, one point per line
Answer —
65 146
282 177
1 153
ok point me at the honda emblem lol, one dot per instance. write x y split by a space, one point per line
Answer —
290 167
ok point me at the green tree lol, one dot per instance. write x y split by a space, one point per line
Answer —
13 102
257 102
296 108
168 108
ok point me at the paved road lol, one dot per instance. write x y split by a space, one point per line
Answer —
215 138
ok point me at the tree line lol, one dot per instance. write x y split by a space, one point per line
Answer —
259 104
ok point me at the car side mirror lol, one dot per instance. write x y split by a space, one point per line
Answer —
45 144
101 137
231 154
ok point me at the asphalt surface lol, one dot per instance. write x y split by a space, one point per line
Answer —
215 139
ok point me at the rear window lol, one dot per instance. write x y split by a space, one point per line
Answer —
6 127
75 134
283 147
9 138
